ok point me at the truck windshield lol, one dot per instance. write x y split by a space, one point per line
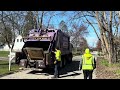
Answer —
38 44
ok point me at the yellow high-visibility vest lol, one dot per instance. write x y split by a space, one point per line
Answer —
58 55
88 61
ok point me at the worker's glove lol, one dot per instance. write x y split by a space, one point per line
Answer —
55 62
79 68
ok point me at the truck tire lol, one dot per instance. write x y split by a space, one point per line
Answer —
17 57
61 64
64 61
36 65
26 63
70 58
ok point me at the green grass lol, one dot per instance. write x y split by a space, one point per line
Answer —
4 53
117 72
4 67
117 65
113 68
105 63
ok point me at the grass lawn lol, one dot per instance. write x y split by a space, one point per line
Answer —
4 53
4 67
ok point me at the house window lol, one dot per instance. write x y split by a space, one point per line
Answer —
20 40
17 40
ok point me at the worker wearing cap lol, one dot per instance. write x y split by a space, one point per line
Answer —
87 64
57 62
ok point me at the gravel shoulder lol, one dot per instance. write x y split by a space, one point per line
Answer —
107 72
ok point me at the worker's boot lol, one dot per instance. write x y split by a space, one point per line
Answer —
54 77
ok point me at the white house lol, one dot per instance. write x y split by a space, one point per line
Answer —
18 44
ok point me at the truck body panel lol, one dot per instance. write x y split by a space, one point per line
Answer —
39 44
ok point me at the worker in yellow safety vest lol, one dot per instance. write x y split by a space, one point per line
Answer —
57 62
87 64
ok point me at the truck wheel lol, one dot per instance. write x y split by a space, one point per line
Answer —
61 64
36 65
17 57
25 63
70 58
64 62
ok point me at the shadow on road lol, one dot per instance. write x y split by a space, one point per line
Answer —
74 66
74 74
44 71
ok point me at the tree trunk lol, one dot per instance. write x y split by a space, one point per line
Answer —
116 51
111 49
111 43
104 41
41 19
6 38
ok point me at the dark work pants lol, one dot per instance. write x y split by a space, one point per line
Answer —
87 74
57 69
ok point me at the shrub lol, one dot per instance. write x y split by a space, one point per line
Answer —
105 62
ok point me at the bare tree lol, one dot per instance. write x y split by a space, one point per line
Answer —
77 34
108 27
105 24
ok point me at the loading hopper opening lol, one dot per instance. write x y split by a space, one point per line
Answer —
36 49
34 53
38 44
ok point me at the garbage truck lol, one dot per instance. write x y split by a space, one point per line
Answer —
37 51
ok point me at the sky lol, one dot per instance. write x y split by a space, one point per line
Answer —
91 37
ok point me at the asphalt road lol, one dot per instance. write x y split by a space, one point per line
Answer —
70 71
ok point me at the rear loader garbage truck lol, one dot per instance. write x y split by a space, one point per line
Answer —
38 47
